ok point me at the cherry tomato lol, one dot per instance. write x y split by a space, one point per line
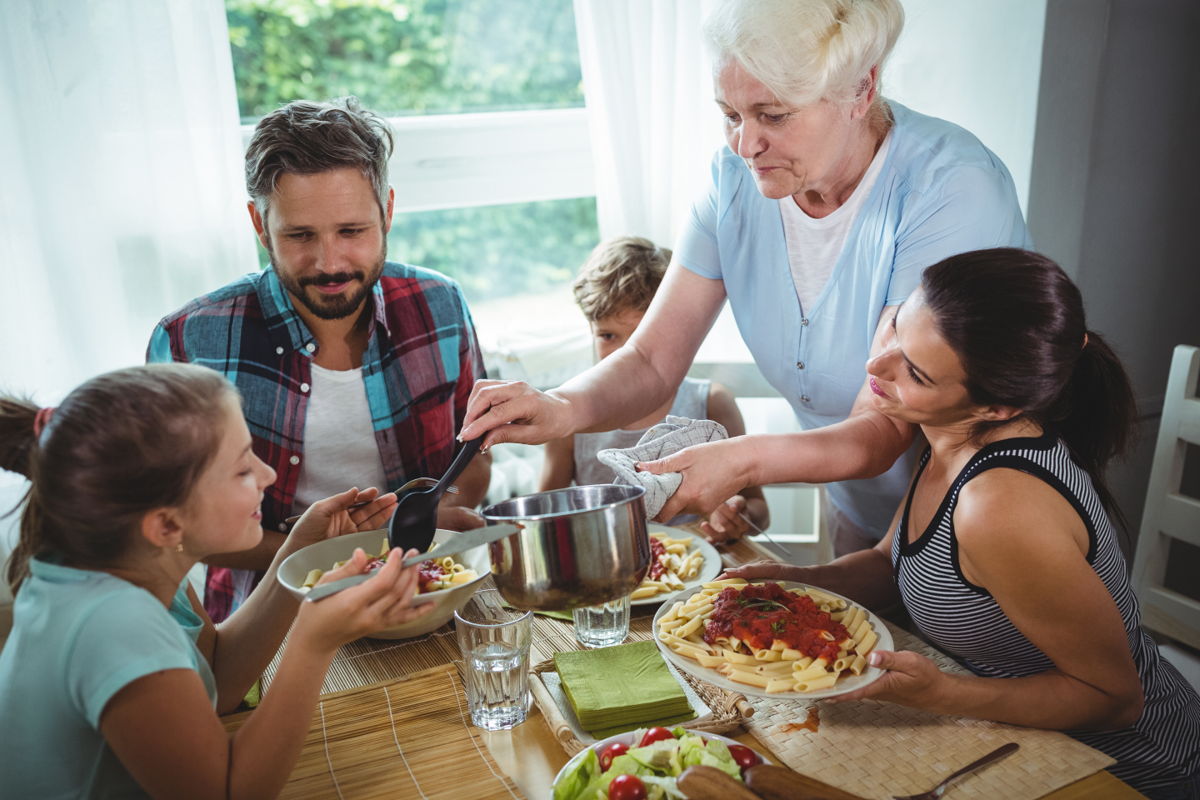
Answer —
627 787
609 753
654 735
744 756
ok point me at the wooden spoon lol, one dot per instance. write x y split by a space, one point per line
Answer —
779 783
709 783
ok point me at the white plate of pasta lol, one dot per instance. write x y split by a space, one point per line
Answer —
686 561
795 640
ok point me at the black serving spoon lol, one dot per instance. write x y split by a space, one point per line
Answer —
415 519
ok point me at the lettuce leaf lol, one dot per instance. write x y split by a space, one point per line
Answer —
571 786
658 764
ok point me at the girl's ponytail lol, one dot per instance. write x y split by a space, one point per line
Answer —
18 451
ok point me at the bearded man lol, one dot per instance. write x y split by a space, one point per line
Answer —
354 370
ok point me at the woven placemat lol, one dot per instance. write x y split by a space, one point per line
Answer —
409 737
876 750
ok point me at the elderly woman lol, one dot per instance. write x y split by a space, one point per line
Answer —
1004 552
823 209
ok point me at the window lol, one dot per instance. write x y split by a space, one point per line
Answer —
492 166
406 57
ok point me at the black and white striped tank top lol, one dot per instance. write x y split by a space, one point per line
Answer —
1163 746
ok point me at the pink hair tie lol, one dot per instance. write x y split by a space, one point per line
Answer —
41 420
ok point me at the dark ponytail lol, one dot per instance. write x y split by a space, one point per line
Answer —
1098 411
18 444
1016 322
17 438
118 446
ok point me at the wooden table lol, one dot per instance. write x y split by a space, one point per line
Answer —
529 753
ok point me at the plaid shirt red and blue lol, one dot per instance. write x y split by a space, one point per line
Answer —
421 361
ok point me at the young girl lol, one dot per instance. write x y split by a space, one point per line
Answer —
113 675
614 288
1004 553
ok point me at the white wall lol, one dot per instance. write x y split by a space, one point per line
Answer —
976 63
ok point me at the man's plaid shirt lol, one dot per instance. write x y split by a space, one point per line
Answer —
421 361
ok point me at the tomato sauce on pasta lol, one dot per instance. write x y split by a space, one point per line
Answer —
761 614
429 573
658 554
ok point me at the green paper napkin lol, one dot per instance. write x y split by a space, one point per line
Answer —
563 615
668 722
621 687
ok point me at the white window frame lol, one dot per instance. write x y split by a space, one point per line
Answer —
491 158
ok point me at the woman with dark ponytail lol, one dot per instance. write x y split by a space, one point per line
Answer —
113 674
1004 552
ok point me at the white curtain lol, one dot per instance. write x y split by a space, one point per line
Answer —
120 157
653 125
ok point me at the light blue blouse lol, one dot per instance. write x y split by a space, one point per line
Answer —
78 638
940 192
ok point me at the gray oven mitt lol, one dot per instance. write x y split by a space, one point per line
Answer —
661 440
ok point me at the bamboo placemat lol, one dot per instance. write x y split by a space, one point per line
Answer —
409 737
876 750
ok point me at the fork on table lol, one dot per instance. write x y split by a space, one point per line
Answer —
937 791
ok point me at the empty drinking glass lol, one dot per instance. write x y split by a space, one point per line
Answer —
495 650
603 625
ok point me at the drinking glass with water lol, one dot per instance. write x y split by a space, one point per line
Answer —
495 648
602 625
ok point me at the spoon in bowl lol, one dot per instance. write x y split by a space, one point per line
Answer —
415 519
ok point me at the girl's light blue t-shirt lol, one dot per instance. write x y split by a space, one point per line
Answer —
940 192
79 637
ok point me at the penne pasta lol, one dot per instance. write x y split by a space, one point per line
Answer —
675 560
774 639
436 574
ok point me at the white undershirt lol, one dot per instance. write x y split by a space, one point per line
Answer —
339 442
814 245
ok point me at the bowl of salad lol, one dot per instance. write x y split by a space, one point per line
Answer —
447 585
646 764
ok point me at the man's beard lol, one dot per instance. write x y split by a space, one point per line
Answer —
331 307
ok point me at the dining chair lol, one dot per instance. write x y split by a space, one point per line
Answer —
1170 515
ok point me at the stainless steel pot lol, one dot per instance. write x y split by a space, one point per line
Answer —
579 547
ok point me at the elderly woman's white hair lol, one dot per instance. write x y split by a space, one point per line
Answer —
806 50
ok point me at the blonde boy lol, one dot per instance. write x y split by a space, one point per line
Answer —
614 289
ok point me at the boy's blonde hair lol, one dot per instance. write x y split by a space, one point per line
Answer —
620 274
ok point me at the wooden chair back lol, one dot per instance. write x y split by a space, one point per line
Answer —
1169 514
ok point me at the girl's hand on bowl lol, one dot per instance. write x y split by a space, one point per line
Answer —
334 516
382 602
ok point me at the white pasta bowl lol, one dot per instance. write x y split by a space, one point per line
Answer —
323 555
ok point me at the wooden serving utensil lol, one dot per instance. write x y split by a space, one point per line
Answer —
763 782
709 783
771 782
